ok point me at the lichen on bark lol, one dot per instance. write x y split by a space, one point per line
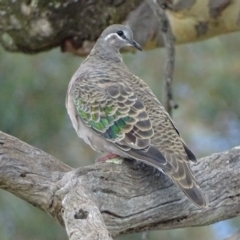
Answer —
35 26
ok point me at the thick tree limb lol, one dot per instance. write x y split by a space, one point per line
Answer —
35 26
81 215
191 20
131 197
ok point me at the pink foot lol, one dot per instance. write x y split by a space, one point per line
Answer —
107 157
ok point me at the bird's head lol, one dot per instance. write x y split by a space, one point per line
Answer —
118 36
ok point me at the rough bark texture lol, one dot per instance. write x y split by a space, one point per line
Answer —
131 197
191 20
32 26
81 215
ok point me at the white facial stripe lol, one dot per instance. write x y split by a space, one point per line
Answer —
110 35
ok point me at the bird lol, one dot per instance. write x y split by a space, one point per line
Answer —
115 112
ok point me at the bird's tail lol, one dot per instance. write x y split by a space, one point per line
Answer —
185 180
178 169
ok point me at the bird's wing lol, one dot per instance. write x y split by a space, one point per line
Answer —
167 140
119 116
116 113
189 153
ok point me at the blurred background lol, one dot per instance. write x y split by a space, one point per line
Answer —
32 108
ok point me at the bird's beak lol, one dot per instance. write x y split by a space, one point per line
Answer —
135 44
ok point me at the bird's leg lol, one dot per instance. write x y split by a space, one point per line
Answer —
109 156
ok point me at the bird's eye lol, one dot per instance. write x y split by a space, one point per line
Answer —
120 33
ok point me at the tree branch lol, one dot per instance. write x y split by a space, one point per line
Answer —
130 196
81 215
145 235
235 236
168 39
36 26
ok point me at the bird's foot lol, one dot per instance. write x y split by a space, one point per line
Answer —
108 157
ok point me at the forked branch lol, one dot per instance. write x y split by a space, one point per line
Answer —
131 197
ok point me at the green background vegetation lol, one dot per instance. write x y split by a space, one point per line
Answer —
32 108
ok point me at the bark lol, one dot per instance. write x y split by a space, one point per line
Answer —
32 26
120 197
190 20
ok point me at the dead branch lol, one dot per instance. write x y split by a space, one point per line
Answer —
130 196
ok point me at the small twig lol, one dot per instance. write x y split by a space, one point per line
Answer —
168 38
235 236
145 235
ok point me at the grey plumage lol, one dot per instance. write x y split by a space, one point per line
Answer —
114 111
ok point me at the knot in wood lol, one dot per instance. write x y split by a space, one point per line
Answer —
164 25
81 214
164 6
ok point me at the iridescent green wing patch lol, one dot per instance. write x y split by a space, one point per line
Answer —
119 117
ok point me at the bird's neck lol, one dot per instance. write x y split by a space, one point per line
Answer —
105 53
